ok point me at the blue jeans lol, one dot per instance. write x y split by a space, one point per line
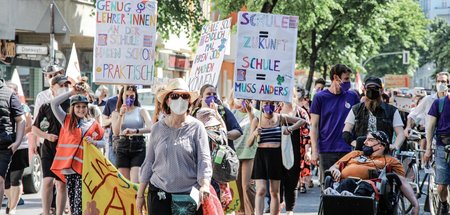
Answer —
442 167
112 154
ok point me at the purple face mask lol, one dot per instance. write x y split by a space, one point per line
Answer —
210 99
129 101
244 104
269 108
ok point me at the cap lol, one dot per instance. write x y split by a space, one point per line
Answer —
373 81
78 99
381 136
60 79
52 69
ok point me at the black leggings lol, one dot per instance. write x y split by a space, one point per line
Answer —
288 186
74 187
14 178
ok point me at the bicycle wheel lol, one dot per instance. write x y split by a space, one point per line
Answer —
433 197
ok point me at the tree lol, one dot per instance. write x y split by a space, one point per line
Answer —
338 31
406 28
439 47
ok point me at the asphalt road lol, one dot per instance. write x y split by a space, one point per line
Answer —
306 204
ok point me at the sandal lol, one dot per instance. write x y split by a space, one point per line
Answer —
302 188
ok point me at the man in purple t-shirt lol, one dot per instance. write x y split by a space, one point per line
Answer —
439 125
328 112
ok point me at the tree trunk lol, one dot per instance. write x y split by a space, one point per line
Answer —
312 60
325 71
268 7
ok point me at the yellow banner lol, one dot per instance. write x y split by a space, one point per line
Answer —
105 190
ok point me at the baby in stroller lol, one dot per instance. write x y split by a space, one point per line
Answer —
355 170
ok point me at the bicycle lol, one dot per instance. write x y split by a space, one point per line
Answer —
411 161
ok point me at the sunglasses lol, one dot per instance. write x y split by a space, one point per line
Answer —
64 85
442 82
175 96
54 74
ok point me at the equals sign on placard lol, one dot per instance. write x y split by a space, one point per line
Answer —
264 34
260 77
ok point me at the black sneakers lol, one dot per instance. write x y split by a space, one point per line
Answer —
443 208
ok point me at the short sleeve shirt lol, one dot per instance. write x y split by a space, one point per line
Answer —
15 107
332 109
231 123
443 119
110 106
358 165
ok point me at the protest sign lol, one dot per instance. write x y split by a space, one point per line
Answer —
210 51
104 189
73 67
125 40
265 60
404 103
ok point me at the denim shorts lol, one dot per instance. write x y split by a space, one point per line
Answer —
442 167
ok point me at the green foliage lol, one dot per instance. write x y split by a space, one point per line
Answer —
406 30
439 47
348 31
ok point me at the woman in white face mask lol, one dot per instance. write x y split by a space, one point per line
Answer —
178 157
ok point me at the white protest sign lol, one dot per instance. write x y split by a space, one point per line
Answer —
125 40
210 51
265 60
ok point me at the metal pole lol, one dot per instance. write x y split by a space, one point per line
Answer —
52 33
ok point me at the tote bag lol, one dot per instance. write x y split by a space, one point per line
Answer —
287 151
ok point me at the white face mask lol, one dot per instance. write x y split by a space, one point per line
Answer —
179 106
62 90
441 87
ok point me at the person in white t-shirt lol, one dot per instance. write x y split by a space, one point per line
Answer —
373 115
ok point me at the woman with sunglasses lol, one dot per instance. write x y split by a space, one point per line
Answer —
268 163
208 99
178 157
129 124
75 126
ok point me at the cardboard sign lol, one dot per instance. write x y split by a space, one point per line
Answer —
265 60
403 103
125 42
209 56
104 189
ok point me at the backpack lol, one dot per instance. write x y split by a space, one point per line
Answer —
225 162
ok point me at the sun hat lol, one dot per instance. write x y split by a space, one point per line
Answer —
176 84
207 116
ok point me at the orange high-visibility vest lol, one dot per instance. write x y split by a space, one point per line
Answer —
69 151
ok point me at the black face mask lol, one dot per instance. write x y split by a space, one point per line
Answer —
368 151
373 94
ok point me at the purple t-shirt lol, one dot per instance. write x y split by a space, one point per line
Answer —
333 109
443 119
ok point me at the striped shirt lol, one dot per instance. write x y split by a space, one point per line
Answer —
272 135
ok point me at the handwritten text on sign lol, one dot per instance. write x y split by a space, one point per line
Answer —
125 42
265 61
104 189
209 56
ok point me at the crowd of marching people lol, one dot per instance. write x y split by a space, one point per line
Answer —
196 140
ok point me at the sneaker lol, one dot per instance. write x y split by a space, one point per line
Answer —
443 208
267 210
21 201
331 191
